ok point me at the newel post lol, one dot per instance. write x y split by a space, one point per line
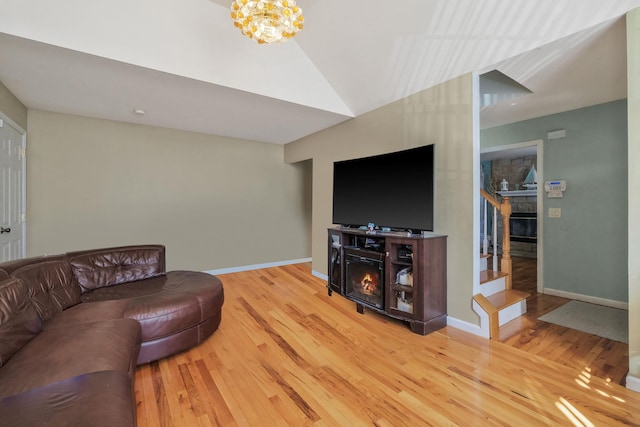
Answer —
505 264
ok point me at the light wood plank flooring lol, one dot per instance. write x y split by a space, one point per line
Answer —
287 354
601 357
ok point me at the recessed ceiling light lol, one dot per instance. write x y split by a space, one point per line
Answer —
139 112
514 103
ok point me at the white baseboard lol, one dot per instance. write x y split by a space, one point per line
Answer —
319 275
586 298
257 266
466 326
633 383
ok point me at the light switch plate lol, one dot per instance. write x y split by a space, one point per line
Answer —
555 212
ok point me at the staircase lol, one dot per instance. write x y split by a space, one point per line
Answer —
495 302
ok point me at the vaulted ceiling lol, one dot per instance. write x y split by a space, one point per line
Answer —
189 68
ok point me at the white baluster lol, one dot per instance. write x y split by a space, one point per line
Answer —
495 239
485 241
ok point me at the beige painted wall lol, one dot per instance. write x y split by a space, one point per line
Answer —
12 107
442 115
633 105
215 202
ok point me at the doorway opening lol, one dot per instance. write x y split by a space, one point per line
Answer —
13 190
505 172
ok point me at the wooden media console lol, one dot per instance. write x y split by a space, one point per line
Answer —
398 274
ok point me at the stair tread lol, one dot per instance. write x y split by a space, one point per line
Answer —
490 275
507 297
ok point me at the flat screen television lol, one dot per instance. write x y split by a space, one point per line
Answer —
393 190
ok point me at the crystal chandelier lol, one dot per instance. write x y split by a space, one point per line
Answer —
267 21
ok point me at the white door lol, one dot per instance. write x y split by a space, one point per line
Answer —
13 188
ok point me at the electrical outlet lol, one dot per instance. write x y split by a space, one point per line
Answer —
555 212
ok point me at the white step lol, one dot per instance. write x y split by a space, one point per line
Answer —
492 282
498 309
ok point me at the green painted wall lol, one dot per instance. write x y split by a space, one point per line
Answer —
585 251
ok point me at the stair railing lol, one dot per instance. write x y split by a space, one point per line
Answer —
504 208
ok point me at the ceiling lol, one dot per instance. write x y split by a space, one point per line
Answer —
189 68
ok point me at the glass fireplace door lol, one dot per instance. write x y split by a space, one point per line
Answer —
364 277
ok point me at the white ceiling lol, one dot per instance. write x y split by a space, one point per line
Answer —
189 68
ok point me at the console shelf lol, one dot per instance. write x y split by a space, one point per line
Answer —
414 280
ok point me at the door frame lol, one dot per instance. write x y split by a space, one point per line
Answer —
23 199
539 146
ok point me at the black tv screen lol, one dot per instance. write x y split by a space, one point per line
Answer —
393 190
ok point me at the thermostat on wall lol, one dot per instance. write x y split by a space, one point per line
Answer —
555 189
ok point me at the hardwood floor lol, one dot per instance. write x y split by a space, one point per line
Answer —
601 357
287 354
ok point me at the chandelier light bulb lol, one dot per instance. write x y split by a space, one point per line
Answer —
267 21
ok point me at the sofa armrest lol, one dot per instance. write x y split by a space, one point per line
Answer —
103 398
98 268
19 321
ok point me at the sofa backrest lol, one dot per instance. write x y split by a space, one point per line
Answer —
98 268
10 266
19 320
51 285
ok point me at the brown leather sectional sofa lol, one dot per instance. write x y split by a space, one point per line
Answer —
74 326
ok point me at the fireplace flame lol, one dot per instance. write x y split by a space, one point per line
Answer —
368 284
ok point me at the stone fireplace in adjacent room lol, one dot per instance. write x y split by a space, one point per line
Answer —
523 225
524 204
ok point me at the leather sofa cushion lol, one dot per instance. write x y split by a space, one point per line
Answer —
183 340
51 285
96 399
167 304
16 264
59 353
88 313
19 320
113 266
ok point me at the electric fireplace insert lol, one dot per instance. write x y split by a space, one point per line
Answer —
364 276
